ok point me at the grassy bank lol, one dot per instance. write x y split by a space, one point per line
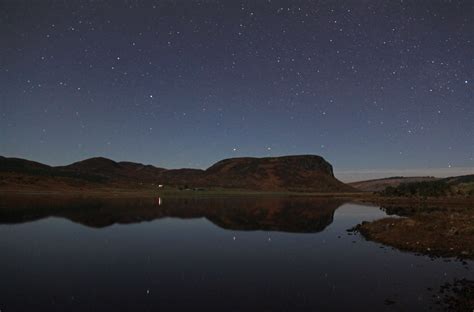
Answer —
146 192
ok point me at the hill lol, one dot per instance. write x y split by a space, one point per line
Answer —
22 165
378 185
292 173
452 186
303 173
114 171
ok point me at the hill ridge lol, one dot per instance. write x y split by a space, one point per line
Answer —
305 173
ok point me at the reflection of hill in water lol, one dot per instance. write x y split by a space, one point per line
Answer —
301 215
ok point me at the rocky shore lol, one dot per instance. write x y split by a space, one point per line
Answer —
444 232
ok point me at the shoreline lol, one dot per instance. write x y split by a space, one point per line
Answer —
107 192
359 197
445 230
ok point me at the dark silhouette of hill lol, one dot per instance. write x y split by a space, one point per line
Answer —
113 171
292 173
304 173
377 185
22 165
452 186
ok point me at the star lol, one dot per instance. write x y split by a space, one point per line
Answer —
295 72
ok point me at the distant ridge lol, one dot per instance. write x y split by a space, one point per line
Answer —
377 185
300 173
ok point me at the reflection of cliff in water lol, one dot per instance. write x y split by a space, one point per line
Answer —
287 214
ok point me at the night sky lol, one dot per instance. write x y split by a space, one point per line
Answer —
369 85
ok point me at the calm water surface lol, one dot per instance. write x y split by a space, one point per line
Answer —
225 254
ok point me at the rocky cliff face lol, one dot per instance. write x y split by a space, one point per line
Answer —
291 173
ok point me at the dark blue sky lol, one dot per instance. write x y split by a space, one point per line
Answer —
366 84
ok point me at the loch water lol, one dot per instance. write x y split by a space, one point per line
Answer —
215 254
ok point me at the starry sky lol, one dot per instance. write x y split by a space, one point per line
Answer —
370 85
